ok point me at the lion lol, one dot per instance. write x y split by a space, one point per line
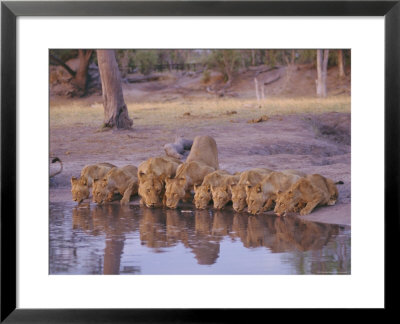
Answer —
238 191
187 175
296 172
306 194
204 149
221 193
152 174
261 197
202 193
122 181
80 186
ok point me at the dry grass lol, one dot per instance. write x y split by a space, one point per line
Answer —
89 112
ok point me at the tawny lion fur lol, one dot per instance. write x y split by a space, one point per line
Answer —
221 193
261 197
152 174
204 149
238 191
80 186
202 193
187 175
122 181
306 194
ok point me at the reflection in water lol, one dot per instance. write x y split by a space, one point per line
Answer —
114 239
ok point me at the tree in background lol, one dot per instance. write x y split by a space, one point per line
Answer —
322 72
146 60
225 61
80 79
341 64
115 110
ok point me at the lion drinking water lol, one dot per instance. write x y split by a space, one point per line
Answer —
221 193
80 186
122 181
152 174
238 191
202 193
306 194
262 196
202 160
188 174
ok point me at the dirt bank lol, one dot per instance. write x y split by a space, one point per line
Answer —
313 143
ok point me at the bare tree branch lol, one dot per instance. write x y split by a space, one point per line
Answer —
65 66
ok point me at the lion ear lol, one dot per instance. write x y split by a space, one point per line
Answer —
279 192
258 188
73 179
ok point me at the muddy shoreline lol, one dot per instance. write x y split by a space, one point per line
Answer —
312 143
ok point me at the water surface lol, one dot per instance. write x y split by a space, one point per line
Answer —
111 239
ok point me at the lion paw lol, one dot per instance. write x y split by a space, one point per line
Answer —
124 201
304 212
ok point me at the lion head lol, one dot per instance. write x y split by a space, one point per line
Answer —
100 191
221 196
288 201
152 191
202 196
79 189
255 199
238 197
174 191
293 200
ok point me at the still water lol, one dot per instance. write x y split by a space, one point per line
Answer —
111 239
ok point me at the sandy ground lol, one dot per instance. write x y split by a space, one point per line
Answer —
310 143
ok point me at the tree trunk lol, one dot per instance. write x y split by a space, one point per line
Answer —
256 86
341 64
80 79
115 111
322 71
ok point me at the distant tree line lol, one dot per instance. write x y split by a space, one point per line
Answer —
114 64
227 61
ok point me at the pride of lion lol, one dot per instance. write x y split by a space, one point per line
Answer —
164 181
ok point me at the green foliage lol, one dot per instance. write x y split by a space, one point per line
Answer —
225 61
307 56
63 54
146 60
125 60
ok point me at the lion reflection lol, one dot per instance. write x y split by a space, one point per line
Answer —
200 231
113 222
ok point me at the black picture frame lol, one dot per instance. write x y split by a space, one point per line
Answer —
9 13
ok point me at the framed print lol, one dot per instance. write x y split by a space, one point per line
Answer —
182 156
